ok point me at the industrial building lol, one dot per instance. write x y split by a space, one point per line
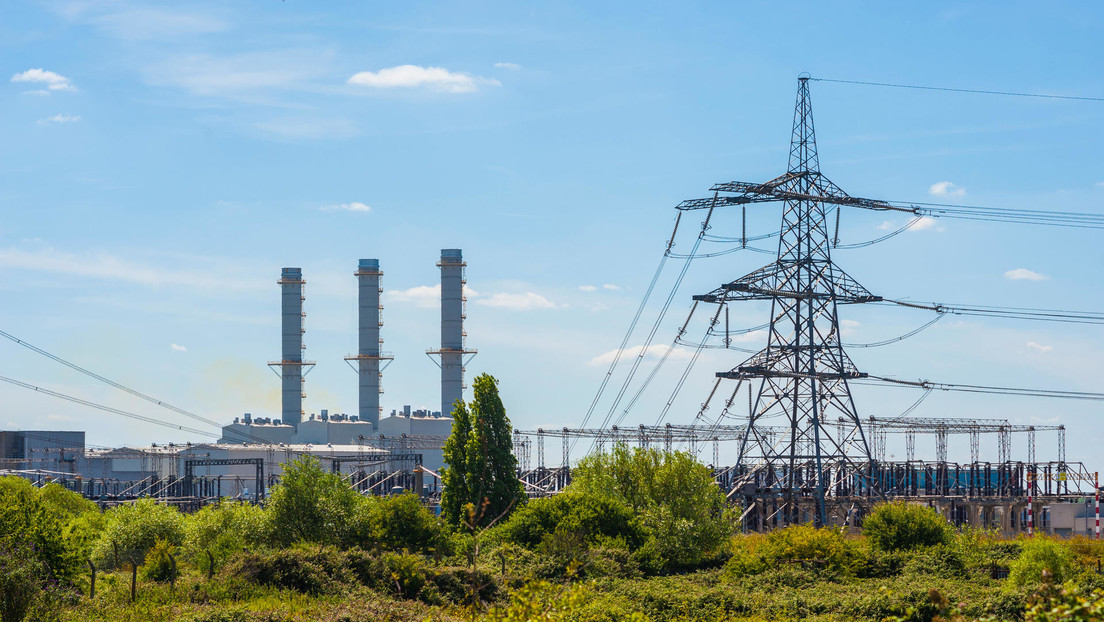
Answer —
375 454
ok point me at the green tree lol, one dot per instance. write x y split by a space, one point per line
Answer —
311 505
132 529
675 495
46 520
482 470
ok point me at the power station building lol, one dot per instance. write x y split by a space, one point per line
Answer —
421 428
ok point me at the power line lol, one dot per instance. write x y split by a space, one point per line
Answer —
974 388
109 409
954 90
121 387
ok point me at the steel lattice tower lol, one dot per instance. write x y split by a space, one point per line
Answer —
803 373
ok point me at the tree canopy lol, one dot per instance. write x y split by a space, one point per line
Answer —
482 469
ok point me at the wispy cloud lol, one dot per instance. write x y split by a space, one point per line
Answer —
248 76
353 206
946 189
1023 274
308 129
52 81
510 66
414 76
588 288
654 351
927 223
104 266
610 286
178 348
147 23
527 301
1038 347
424 296
59 118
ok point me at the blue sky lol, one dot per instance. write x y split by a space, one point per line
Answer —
160 163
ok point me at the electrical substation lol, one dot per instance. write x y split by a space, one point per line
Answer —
804 450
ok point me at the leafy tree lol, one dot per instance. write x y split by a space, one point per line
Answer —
311 505
680 504
133 529
1041 555
223 529
900 525
481 475
34 517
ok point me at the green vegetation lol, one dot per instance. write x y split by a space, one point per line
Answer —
480 481
640 535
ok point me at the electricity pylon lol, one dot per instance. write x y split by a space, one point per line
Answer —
803 372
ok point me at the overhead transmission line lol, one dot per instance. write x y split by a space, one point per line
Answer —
955 90
121 387
109 409
974 388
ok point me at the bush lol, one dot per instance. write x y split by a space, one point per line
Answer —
224 529
1041 554
592 518
311 505
160 565
310 571
680 505
397 523
22 577
802 546
36 519
133 529
900 525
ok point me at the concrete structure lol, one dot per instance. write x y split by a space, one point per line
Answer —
291 361
452 349
369 356
248 429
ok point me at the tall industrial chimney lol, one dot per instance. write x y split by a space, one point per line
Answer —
452 328
291 361
368 353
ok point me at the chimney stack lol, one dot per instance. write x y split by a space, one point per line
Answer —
291 361
452 328
368 353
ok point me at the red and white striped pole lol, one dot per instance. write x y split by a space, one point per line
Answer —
1096 483
1030 512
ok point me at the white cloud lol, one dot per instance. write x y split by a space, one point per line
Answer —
1038 347
925 223
304 129
53 81
108 267
847 327
510 66
157 24
353 206
37 92
1100 184
598 306
59 118
1023 274
885 226
610 286
414 76
178 348
517 302
424 296
654 351
587 288
248 76
946 189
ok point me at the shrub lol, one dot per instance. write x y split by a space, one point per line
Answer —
397 523
900 525
33 519
801 545
311 505
1041 554
22 576
159 565
592 518
224 529
134 528
680 505
310 571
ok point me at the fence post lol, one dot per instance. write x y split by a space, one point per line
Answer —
92 585
133 579
210 565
